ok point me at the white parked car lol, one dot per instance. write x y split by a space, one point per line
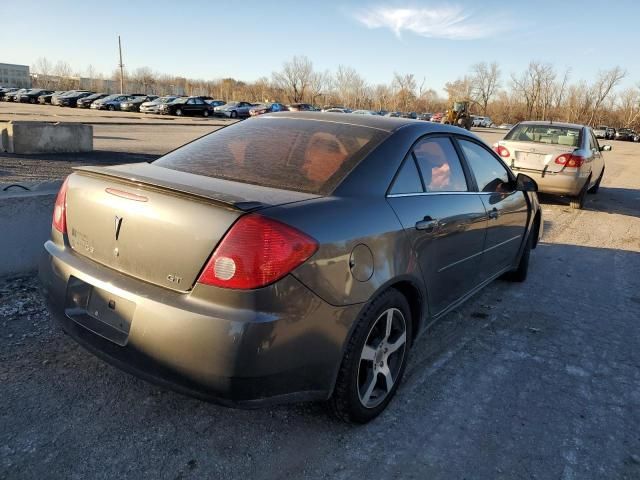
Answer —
482 122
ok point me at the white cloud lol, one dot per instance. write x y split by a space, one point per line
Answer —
450 22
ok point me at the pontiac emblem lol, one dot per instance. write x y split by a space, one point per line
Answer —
118 224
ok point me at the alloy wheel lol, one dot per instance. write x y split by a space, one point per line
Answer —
381 357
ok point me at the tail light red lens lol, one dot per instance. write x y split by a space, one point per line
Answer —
500 150
255 252
60 209
569 160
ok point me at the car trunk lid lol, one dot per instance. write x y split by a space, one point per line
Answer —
535 156
157 224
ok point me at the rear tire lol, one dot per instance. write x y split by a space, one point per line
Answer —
520 273
593 190
374 359
577 202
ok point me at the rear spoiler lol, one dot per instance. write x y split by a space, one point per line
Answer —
222 199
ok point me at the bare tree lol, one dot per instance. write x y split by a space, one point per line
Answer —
350 86
630 106
602 87
460 89
43 69
486 80
145 79
534 85
404 88
320 82
295 77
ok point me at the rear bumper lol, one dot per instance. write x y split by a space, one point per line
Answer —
280 343
556 183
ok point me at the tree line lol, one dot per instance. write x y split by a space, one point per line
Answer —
540 92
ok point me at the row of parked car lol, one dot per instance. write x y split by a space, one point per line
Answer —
207 106
610 133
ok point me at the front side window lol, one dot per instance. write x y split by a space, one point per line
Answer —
439 165
491 175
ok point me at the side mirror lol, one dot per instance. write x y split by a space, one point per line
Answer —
605 148
524 183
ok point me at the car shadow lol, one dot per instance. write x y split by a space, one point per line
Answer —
622 201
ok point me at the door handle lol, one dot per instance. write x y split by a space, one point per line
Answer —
427 224
493 214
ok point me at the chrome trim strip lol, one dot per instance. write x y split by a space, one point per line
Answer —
423 194
502 243
478 253
460 261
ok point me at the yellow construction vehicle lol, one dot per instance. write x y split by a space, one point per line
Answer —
458 115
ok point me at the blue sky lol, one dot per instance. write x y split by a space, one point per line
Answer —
248 39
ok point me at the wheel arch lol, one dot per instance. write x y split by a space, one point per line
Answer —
416 297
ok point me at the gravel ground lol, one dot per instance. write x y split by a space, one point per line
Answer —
533 380
113 144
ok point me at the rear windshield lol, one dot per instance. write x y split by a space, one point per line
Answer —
291 154
552 134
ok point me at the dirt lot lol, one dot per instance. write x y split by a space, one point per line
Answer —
534 380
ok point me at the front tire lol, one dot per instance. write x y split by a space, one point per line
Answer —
234 114
205 113
374 359
111 108
178 112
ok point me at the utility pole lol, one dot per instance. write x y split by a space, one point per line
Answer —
121 65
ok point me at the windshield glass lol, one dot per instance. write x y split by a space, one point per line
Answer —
308 156
553 134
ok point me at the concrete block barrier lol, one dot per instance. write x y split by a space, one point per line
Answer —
25 223
42 137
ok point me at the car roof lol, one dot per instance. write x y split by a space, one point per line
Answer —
388 124
552 124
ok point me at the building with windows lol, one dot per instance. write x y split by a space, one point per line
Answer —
14 75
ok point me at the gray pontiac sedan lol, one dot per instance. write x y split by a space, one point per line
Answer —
294 256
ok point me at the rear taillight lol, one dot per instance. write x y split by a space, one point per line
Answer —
60 209
255 252
569 160
500 150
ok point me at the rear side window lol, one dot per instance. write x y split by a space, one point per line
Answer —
304 155
439 165
408 179
491 175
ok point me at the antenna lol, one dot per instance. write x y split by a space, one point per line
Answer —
121 65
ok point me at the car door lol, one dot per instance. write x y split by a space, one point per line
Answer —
598 159
199 105
507 209
190 106
445 220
